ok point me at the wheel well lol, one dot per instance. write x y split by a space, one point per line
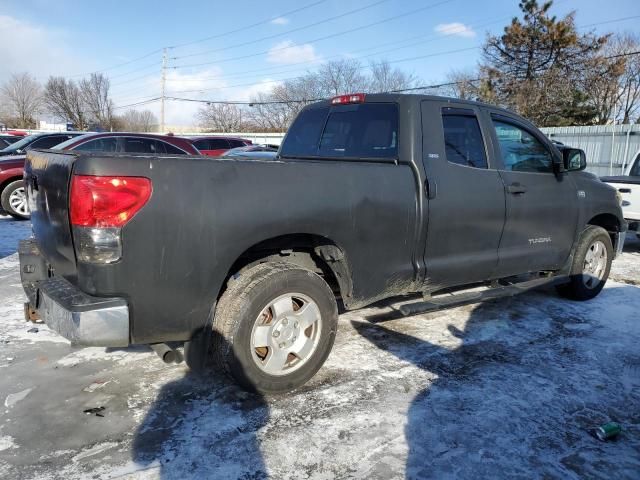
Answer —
607 221
8 181
314 252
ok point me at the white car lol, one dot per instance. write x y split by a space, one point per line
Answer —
628 186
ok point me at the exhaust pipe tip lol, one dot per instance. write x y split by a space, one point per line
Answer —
166 353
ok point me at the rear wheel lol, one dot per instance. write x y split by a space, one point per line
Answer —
591 265
14 200
274 327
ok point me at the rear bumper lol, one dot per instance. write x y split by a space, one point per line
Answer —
81 318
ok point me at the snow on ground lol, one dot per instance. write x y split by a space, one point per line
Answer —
509 388
10 232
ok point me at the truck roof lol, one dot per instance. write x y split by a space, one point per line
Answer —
407 98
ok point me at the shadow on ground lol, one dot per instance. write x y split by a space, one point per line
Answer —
496 411
203 426
516 397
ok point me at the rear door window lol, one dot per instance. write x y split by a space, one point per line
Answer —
218 144
202 144
139 145
164 147
463 139
99 145
236 143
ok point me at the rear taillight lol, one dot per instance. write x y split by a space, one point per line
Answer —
345 99
99 207
107 201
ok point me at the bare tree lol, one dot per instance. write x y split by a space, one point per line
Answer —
22 96
221 117
94 92
463 84
342 76
385 78
138 121
62 98
629 81
275 110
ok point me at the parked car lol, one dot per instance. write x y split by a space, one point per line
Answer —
628 186
38 140
252 151
13 200
370 197
123 142
6 140
12 193
216 146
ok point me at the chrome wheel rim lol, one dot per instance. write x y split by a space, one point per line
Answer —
595 264
18 201
286 334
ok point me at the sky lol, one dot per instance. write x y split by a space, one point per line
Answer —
231 50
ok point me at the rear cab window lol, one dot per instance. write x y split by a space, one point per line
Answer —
366 130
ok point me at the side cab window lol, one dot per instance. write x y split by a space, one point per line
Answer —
463 140
521 151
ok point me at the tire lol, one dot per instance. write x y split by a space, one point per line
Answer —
586 281
260 340
9 199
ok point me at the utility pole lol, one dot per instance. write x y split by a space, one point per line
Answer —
163 80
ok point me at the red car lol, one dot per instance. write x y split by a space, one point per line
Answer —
123 142
12 194
216 146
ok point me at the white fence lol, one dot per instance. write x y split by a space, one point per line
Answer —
609 148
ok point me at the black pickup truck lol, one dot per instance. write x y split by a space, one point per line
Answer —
246 260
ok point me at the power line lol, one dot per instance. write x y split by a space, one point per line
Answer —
280 34
298 77
401 60
325 37
118 65
244 28
430 37
308 100
378 53
158 50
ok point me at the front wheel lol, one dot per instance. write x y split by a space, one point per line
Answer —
274 327
14 200
591 265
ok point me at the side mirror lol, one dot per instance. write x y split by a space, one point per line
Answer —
574 159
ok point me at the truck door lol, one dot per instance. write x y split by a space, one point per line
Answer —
542 207
466 207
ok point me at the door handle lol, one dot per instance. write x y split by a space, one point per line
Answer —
624 190
516 189
431 188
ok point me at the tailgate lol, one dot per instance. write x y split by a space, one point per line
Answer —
47 176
